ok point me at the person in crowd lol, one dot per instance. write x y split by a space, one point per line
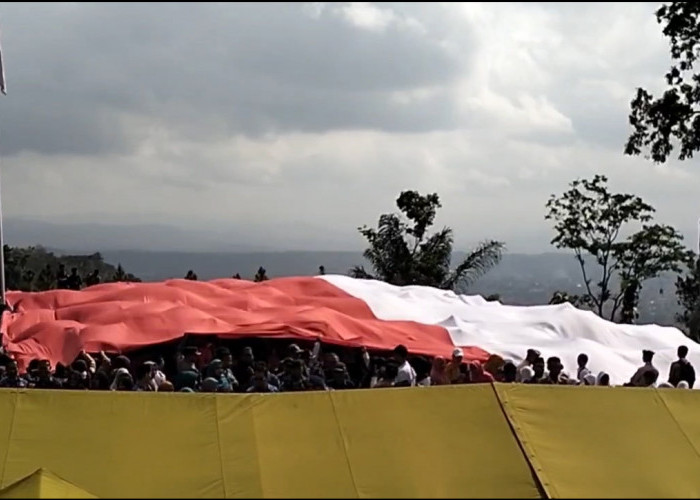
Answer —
340 378
294 379
683 385
438 371
215 370
317 383
145 375
187 378
478 375
259 383
582 370
93 278
75 282
538 367
638 379
423 368
187 361
452 370
224 354
166 386
603 379
649 378
321 270
465 376
44 377
588 379
79 378
510 372
236 276
406 375
554 375
530 357
682 369
61 278
191 275
12 377
209 384
123 381
494 366
665 385
527 375
158 371
387 375
243 370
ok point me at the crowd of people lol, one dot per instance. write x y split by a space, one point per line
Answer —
214 367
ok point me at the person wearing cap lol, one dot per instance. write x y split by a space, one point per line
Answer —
452 370
530 357
638 379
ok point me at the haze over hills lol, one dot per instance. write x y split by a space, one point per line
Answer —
525 279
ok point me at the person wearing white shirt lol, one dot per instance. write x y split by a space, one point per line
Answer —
406 375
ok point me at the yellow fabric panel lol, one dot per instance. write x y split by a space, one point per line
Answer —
119 444
600 442
437 442
43 484
238 447
8 402
300 448
685 409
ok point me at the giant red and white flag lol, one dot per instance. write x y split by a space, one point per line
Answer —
57 324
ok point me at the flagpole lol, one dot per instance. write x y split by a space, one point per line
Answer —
2 254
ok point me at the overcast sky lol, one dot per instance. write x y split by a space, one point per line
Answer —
292 124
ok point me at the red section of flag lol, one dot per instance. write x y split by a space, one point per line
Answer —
118 317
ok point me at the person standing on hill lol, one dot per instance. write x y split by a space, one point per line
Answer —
74 280
93 278
681 369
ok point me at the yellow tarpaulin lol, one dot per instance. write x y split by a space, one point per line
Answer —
437 442
43 484
601 442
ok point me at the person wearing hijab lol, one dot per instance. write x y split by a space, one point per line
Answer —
683 385
603 379
478 375
589 379
526 375
438 375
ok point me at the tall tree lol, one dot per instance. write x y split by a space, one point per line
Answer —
402 252
591 221
661 124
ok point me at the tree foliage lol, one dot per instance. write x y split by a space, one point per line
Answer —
673 120
401 251
688 294
591 221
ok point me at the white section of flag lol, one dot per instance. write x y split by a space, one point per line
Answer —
559 330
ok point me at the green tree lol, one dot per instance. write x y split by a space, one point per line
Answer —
560 297
688 294
673 120
402 252
591 221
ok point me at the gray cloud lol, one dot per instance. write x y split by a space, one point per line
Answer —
208 70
